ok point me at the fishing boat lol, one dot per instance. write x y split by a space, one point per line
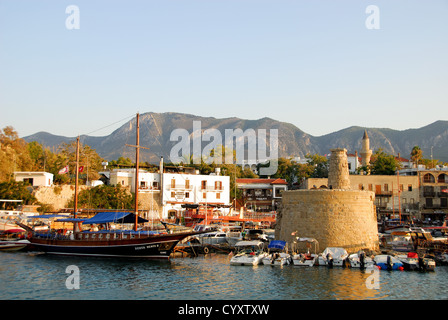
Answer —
307 259
388 262
360 260
277 256
413 262
333 257
248 253
401 241
110 243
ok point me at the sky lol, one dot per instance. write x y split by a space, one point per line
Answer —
311 63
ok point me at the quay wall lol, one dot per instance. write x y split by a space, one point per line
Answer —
58 197
335 218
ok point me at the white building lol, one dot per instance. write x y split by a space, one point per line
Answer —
35 178
183 188
177 188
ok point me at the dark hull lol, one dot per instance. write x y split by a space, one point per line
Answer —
151 247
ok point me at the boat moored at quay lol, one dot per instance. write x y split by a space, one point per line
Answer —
129 243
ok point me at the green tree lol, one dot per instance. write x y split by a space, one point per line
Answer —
320 164
13 190
383 164
105 197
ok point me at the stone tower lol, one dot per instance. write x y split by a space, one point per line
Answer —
338 175
366 153
336 217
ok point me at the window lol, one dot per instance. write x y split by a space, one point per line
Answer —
187 184
204 195
204 184
187 194
386 187
218 185
173 194
361 187
218 196
370 187
401 188
428 178
409 187
173 183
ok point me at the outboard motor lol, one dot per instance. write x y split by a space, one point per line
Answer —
362 259
389 263
421 264
330 260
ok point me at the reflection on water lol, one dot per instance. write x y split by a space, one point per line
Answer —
207 277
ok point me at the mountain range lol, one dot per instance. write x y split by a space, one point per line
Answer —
156 129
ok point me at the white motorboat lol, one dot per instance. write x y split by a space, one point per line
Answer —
248 253
233 234
13 240
8 224
360 260
401 241
276 255
306 259
13 245
333 257
413 262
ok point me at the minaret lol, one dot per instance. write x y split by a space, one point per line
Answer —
366 153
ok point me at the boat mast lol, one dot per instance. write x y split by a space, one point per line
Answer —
137 165
75 208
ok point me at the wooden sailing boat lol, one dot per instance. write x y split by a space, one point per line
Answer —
110 243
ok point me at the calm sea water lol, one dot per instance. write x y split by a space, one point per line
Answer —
210 277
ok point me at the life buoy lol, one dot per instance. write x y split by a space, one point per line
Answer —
205 250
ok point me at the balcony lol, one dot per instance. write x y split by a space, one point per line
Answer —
179 187
383 193
211 188
429 194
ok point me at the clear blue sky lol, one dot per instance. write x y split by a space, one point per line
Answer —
310 63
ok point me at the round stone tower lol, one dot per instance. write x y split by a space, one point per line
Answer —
338 175
336 217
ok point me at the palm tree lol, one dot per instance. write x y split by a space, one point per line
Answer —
416 155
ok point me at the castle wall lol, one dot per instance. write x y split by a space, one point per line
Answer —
335 218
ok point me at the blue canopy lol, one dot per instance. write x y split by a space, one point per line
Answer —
47 216
118 217
277 244
71 220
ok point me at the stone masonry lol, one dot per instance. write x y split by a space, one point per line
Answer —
336 217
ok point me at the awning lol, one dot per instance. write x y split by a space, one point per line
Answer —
48 216
277 244
117 217
71 220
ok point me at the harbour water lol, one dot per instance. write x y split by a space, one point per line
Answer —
207 277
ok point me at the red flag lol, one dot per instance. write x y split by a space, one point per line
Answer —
63 170
444 190
81 168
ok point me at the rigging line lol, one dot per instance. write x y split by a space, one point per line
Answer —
127 118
